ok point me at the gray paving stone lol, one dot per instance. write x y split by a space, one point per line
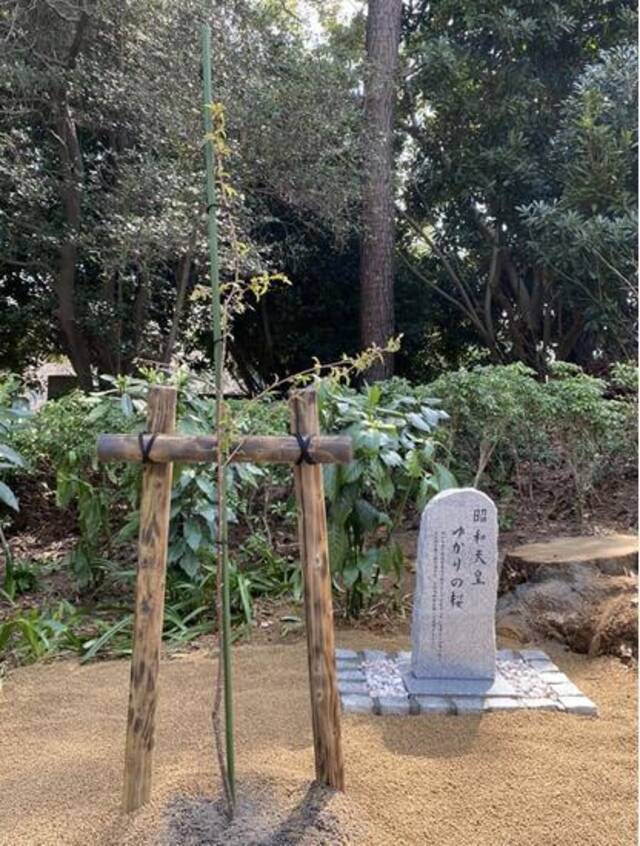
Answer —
540 704
355 704
566 688
342 654
434 704
543 665
579 705
353 687
351 675
553 677
508 654
348 665
393 705
475 698
456 686
502 703
534 655
469 704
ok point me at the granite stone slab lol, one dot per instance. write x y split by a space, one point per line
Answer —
458 687
453 629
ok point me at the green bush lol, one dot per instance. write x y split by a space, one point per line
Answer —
507 425
395 463
14 413
495 426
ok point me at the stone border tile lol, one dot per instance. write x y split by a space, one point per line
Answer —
470 704
534 654
539 704
579 705
398 705
502 703
349 674
565 688
354 704
359 688
433 704
542 666
346 655
355 696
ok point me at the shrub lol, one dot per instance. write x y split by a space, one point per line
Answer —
509 425
395 463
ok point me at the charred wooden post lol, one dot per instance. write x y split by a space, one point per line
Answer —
314 555
149 609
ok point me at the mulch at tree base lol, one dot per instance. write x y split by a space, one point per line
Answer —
500 779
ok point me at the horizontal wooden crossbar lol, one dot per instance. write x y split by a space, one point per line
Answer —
323 449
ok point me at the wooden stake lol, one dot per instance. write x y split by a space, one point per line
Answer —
314 553
155 504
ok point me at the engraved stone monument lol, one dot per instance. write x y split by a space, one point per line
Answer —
453 630
453 667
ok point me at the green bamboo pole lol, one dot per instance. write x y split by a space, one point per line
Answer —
218 350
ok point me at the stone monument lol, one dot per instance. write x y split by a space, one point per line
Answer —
453 667
453 630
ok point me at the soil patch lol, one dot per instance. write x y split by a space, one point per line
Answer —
500 779
264 816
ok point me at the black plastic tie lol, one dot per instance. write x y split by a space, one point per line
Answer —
304 442
145 446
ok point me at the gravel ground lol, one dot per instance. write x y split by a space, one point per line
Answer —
502 779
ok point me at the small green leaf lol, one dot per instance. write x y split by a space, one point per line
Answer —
418 421
445 478
391 458
190 564
330 481
126 405
8 497
338 546
350 574
192 535
11 455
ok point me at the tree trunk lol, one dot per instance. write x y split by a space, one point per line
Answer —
183 281
72 177
377 321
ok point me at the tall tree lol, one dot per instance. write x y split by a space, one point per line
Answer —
377 321
101 200
519 207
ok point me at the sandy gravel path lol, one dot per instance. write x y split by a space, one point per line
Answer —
505 779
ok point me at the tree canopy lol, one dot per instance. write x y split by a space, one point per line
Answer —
515 150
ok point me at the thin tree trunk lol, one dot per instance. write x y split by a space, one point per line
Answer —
183 281
377 320
72 177
140 306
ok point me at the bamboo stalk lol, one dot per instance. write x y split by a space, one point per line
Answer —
155 504
218 356
314 554
324 449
